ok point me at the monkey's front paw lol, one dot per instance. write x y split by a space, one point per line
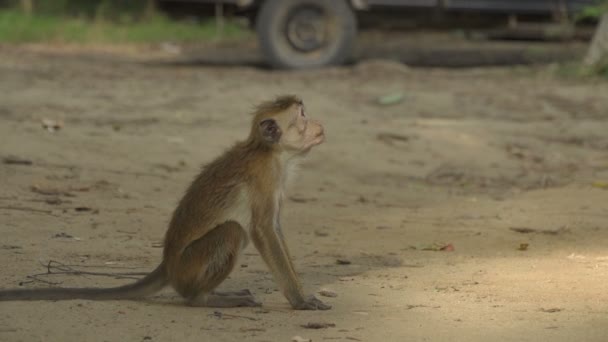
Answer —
312 303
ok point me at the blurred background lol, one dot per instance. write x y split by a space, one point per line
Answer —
302 34
460 195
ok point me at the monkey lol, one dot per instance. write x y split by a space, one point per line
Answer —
236 198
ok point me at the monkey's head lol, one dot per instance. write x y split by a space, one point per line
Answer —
283 124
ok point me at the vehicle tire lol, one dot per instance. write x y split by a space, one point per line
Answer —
299 34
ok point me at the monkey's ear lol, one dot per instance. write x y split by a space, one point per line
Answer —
270 131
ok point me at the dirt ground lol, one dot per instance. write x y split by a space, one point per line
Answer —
475 209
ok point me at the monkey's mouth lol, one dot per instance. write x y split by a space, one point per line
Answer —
319 139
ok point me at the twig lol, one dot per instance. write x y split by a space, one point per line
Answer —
93 266
131 275
9 207
120 172
54 268
220 315
35 277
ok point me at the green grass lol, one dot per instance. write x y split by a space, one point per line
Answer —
594 11
575 70
17 27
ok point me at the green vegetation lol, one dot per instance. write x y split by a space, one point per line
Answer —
596 62
576 70
601 69
102 21
595 11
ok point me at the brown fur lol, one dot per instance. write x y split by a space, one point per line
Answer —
205 237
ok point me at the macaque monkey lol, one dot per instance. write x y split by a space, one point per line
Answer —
237 197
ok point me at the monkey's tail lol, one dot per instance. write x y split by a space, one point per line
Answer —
150 284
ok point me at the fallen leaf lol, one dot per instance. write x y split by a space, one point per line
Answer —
216 314
410 306
53 201
63 235
600 185
13 160
343 262
526 230
439 247
523 230
390 99
362 199
317 325
555 231
447 248
10 247
523 247
301 199
574 256
50 191
328 293
321 233
363 313
392 138
51 125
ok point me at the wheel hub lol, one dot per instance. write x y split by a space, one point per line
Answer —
306 29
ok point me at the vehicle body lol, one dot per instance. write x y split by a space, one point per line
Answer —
314 33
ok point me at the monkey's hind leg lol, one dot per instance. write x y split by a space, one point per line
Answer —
212 258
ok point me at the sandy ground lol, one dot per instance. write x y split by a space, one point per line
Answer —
505 169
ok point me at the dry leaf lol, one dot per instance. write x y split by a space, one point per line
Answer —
50 191
523 230
390 99
362 313
51 125
300 339
447 248
439 247
600 185
317 325
321 233
63 235
328 293
13 160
